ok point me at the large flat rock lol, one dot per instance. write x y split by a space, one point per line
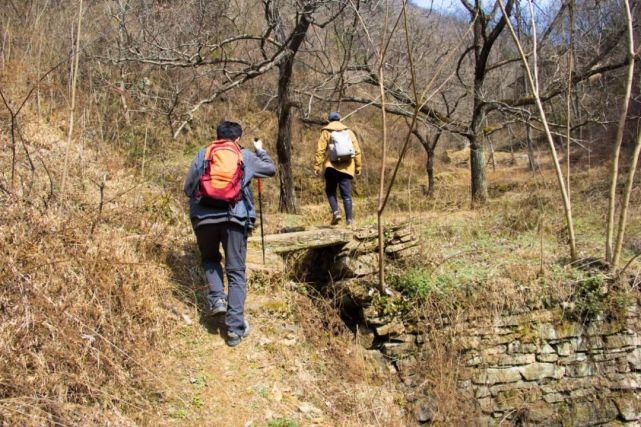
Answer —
308 239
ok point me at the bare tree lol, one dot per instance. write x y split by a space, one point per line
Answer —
304 19
226 58
200 52
381 188
485 37
533 80
73 99
429 143
287 198
611 254
616 252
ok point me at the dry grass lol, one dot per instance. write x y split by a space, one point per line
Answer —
299 355
83 297
88 318
355 389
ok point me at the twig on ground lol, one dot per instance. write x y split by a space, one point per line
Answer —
101 186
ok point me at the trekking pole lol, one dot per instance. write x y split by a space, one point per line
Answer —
260 206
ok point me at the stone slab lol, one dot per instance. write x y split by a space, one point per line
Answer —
308 239
356 267
496 376
510 359
358 247
547 358
629 406
538 371
395 327
634 359
395 350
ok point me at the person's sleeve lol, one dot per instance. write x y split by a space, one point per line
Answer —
321 149
263 165
358 158
191 180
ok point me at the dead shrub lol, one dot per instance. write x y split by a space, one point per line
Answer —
84 299
525 214
358 394
441 366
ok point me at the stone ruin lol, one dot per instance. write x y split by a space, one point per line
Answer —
535 366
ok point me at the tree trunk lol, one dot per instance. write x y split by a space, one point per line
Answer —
429 168
616 151
477 159
625 203
531 159
123 99
616 250
568 111
72 110
532 77
533 164
287 199
477 171
492 155
430 149
121 46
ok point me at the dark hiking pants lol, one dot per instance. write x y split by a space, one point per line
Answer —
343 181
233 238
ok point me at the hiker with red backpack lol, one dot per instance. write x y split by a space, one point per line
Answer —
221 208
340 155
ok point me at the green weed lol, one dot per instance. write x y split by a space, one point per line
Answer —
414 283
200 381
179 414
277 308
282 422
418 286
197 402
263 391
589 298
391 306
617 304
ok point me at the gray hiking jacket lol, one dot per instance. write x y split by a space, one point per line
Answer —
258 165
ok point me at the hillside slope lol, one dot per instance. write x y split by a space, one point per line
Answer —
100 313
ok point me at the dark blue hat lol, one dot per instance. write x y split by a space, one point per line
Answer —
333 116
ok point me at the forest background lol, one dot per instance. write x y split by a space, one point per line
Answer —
490 133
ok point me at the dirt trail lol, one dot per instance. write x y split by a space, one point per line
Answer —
283 374
300 366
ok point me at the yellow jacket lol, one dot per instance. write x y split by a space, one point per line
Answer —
351 166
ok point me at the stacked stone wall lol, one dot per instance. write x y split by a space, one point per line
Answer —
552 370
537 366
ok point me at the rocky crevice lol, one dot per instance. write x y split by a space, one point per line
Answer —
350 280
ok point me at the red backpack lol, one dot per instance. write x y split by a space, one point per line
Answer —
221 181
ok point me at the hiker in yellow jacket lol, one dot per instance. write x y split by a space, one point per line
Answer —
339 154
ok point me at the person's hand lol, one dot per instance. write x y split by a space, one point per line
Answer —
258 144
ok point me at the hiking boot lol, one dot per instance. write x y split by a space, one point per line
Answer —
336 218
234 339
349 222
219 307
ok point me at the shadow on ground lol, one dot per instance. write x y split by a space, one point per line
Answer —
186 271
